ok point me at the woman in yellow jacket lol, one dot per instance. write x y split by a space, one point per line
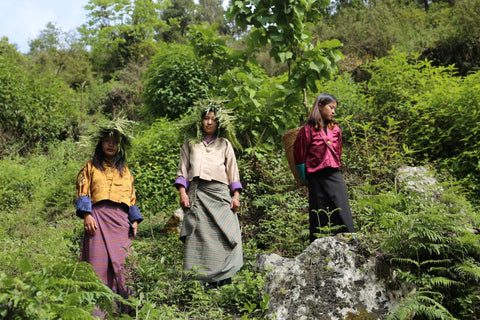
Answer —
107 203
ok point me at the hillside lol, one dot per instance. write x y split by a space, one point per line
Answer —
406 98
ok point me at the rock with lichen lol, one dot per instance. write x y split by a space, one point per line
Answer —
330 280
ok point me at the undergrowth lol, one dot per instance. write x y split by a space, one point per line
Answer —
431 239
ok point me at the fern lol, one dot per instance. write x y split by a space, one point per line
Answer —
64 290
418 303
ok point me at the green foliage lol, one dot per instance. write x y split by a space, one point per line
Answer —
119 32
277 23
284 27
450 113
212 11
38 195
35 107
277 218
399 81
457 41
391 24
208 45
435 253
61 54
244 293
419 304
174 81
257 100
155 157
284 227
178 15
63 290
121 95
436 111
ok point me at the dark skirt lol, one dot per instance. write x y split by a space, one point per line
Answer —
328 194
211 233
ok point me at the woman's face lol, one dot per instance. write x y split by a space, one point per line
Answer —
110 146
209 124
328 111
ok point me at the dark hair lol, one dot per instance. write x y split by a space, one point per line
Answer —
99 155
214 110
315 117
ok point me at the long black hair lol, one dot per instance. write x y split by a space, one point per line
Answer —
99 155
315 117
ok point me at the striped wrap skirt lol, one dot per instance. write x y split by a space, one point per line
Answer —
109 247
211 233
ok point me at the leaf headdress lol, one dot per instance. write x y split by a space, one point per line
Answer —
121 127
191 125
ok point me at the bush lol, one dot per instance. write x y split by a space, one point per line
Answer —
35 108
155 156
174 81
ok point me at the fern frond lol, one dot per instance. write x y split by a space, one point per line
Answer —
418 303
443 282
468 270
120 126
405 261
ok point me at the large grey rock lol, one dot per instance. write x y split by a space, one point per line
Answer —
328 281
420 180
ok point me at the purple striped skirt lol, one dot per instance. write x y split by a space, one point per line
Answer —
109 247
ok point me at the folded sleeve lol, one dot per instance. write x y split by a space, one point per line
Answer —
133 211
134 214
84 203
301 171
183 167
231 168
300 148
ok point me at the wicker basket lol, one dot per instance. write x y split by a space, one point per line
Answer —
288 140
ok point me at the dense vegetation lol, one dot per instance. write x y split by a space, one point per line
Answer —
406 74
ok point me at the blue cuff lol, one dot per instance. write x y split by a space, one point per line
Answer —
84 204
235 186
181 181
134 214
301 171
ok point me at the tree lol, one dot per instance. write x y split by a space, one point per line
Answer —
284 27
62 54
177 16
48 39
212 11
120 31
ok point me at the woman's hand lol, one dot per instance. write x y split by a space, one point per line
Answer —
235 204
184 201
90 224
135 226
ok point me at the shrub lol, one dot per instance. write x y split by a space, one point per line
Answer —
174 81
155 156
35 108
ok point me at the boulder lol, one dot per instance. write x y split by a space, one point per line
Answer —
420 180
329 281
174 223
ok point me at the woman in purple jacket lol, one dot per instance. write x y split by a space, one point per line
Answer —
317 152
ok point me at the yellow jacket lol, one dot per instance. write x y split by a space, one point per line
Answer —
100 185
